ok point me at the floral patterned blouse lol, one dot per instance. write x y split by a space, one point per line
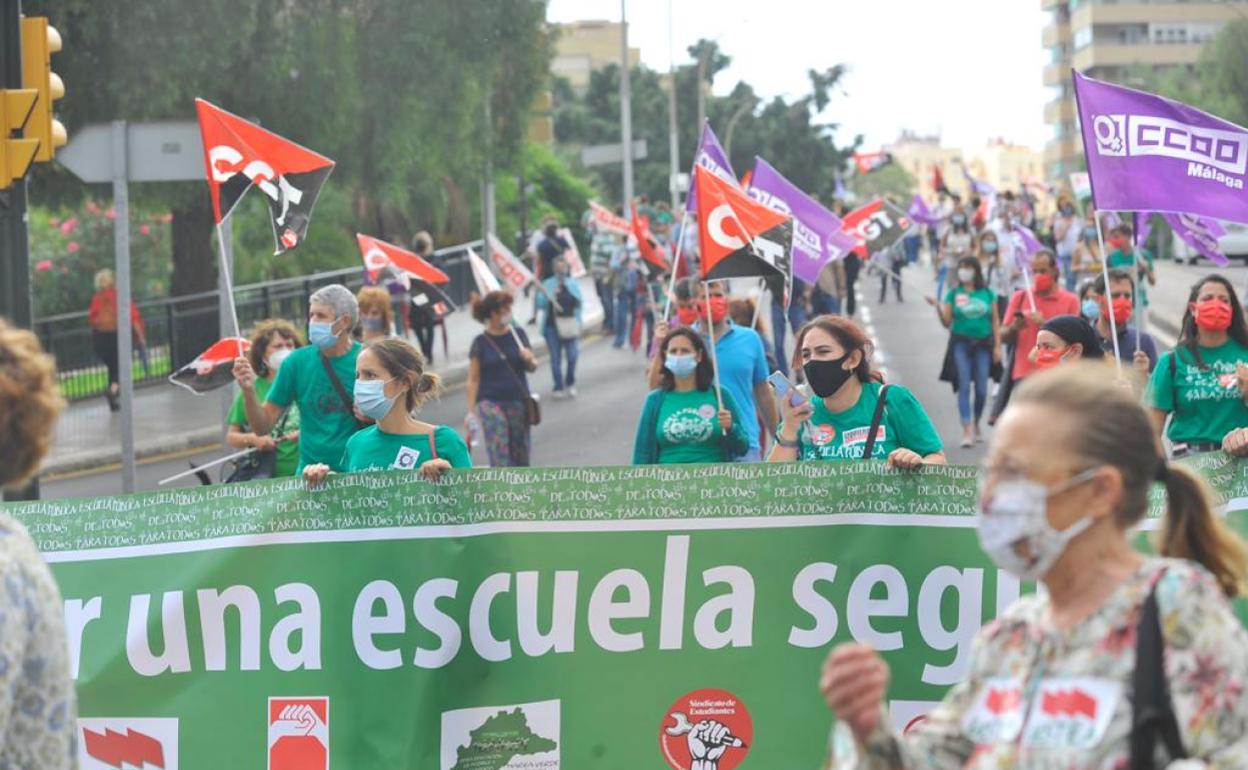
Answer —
1040 699
38 711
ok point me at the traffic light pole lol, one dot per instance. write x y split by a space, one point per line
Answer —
15 299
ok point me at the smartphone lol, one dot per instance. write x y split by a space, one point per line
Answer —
785 387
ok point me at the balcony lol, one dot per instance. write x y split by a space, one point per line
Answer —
1055 34
1137 13
1114 55
1060 111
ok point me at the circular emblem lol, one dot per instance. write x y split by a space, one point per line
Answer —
706 728
706 411
962 300
1227 381
822 435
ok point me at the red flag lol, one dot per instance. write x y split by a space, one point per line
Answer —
938 180
606 219
866 162
212 369
379 255
646 244
239 154
739 237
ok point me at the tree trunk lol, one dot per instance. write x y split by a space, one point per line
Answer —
194 264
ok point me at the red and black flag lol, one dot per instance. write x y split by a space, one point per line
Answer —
866 162
938 181
429 300
381 257
653 256
239 154
212 369
876 226
738 236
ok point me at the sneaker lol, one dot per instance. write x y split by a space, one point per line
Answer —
559 395
571 392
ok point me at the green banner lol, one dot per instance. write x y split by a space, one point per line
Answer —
538 618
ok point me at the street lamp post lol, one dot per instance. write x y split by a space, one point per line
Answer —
626 108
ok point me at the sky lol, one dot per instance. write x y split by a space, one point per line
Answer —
969 70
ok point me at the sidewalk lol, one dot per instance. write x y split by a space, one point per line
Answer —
168 418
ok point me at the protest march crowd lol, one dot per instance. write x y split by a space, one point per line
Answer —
1087 413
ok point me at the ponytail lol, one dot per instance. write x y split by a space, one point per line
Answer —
1192 530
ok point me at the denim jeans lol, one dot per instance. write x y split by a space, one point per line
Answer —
795 318
974 365
625 308
912 244
941 274
606 295
1063 261
558 349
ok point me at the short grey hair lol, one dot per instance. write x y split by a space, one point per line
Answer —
339 299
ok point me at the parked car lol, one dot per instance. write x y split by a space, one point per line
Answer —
1234 244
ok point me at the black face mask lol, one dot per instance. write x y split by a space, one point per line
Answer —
827 377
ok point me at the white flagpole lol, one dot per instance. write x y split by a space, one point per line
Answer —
206 466
710 331
1113 326
671 288
226 251
758 303
1031 295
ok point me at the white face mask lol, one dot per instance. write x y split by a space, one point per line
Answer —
966 274
1015 519
276 358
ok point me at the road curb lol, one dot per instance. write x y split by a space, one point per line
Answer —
452 376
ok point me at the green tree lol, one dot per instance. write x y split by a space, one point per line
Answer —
892 180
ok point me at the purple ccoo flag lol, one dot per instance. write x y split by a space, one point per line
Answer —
1143 226
1200 233
813 225
920 213
1149 153
712 157
1025 241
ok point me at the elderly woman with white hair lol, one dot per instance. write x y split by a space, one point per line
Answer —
318 377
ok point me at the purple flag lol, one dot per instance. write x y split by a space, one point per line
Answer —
1200 233
919 212
982 189
1143 226
1025 241
712 157
1148 153
840 193
813 225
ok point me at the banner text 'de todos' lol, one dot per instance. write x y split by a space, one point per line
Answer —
535 618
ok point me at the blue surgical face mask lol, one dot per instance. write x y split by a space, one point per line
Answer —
1089 232
370 397
681 366
990 247
1091 309
372 324
321 334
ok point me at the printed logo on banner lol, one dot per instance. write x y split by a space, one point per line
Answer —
706 729
1071 713
997 714
859 435
523 736
299 733
406 459
1208 151
132 744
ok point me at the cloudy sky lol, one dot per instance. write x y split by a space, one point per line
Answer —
968 69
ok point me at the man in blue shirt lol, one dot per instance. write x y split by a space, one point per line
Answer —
740 358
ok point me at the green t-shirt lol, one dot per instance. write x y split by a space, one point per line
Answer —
843 436
287 451
971 312
372 449
1209 402
1125 260
688 428
329 422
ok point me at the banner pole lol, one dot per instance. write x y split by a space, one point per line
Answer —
758 304
671 288
1031 295
710 331
206 466
1135 283
1113 326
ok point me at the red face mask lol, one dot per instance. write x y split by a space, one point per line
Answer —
1118 242
1044 282
688 315
1213 315
1047 359
1122 311
719 309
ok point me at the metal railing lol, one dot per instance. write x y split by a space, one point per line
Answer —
180 328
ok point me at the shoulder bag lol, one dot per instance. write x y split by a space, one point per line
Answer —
1152 710
876 420
533 408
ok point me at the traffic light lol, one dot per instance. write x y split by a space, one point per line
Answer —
39 41
16 153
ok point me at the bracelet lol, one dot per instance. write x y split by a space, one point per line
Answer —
795 444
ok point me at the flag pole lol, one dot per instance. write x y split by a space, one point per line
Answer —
710 331
758 303
1031 295
1135 282
1113 325
226 251
206 466
671 287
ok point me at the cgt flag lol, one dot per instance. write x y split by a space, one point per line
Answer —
481 275
876 226
711 156
238 155
380 256
513 271
866 162
212 369
1149 153
739 237
605 219
429 299
814 227
652 254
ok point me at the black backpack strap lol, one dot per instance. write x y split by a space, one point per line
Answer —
1152 711
876 419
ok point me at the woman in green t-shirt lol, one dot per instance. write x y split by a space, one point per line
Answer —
835 355
684 420
1202 384
391 384
968 312
271 342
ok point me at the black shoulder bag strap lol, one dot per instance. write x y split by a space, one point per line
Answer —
876 419
1152 712
337 383
1174 379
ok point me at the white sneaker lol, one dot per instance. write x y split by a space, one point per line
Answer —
571 392
559 395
